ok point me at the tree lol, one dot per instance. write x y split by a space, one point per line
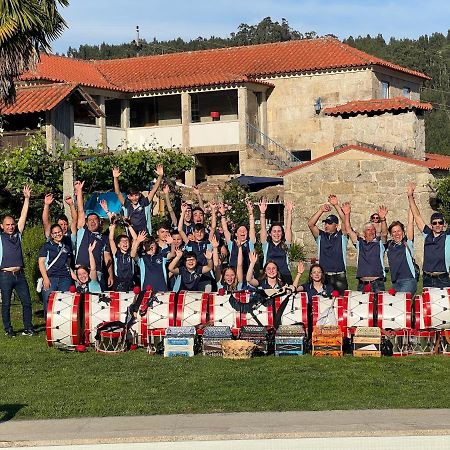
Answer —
26 28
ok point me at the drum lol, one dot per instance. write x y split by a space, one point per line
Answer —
111 337
422 342
296 310
112 307
191 308
222 313
399 340
433 308
160 313
64 325
356 310
326 310
394 311
261 315
445 342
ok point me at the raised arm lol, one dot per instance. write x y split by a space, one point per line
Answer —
78 187
251 222
224 223
213 225
173 217
104 205
413 206
215 256
198 194
346 209
92 266
25 206
262 213
300 270
73 214
48 200
141 237
333 200
312 222
116 174
253 257
112 242
410 226
240 264
382 212
209 265
181 223
288 228
173 266
160 172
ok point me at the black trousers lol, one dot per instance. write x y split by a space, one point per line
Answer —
338 282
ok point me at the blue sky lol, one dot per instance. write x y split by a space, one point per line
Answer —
114 22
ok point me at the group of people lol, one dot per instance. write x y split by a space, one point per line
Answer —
199 253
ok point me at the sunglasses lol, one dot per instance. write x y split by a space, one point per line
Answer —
375 217
437 222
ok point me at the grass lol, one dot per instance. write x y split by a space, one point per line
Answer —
38 382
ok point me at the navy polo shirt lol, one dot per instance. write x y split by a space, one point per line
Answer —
153 272
436 251
370 258
199 248
400 260
86 237
50 250
123 266
188 229
311 291
247 247
11 250
92 286
332 251
139 214
278 254
263 284
188 281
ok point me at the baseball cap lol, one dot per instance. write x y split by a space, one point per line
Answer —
437 216
331 219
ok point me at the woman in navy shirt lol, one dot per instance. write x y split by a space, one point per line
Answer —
54 265
400 253
271 277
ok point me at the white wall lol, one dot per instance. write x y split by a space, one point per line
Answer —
87 135
160 136
116 137
214 133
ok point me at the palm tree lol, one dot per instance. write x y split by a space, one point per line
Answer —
26 28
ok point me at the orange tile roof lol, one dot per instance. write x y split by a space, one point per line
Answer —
432 161
210 67
44 97
376 105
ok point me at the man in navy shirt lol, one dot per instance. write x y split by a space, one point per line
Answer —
370 248
331 244
89 230
436 251
12 276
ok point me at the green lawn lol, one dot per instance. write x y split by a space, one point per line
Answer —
38 382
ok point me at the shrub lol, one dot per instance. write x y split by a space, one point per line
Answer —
296 252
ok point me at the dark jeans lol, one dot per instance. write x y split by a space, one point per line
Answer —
376 285
15 281
441 281
338 282
56 284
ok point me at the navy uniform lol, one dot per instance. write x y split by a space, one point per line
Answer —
153 271
436 258
370 263
123 271
139 215
279 255
401 267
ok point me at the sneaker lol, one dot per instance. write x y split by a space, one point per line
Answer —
10 333
29 332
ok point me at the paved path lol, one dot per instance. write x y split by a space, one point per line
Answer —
429 424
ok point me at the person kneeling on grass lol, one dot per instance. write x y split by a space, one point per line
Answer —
190 271
271 277
86 277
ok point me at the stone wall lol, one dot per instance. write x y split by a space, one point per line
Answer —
366 181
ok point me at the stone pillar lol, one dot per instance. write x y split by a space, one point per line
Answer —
67 184
101 121
262 111
125 117
243 119
189 176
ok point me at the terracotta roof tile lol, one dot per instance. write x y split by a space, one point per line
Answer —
432 161
377 105
210 67
44 97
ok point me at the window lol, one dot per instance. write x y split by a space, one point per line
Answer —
195 109
384 89
407 92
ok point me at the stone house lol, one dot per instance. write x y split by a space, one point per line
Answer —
255 109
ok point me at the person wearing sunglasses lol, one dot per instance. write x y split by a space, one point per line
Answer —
436 251
375 219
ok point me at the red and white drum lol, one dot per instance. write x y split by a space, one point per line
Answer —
399 340
422 342
328 310
111 307
296 310
394 311
63 326
192 308
221 311
161 313
356 310
262 314
445 342
433 308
